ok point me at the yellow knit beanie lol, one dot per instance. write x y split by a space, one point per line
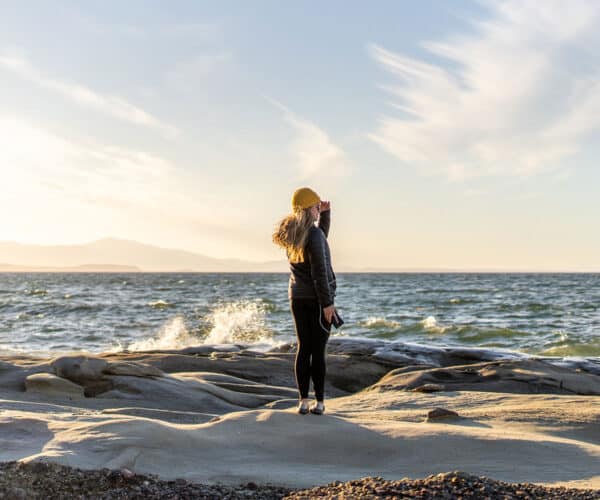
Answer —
304 198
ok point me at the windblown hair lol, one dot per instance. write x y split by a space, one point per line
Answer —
292 233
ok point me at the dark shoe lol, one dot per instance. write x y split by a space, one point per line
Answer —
303 410
315 410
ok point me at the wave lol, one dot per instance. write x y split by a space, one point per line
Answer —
230 323
430 324
422 330
387 326
57 309
23 316
82 308
568 349
471 334
11 351
172 335
242 321
160 304
378 323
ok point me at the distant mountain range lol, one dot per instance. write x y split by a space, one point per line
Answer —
116 255
125 256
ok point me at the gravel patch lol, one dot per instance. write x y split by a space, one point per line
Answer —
450 486
39 480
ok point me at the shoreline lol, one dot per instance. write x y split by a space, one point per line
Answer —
382 349
215 414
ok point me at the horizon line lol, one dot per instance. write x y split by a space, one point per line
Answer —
7 267
75 270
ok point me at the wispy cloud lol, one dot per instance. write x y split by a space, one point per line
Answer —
188 74
63 188
516 97
317 156
84 96
51 176
36 159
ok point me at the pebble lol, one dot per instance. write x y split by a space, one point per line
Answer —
451 485
53 481
16 494
39 480
126 473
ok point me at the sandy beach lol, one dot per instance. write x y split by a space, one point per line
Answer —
226 415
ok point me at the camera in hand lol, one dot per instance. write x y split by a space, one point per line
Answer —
336 319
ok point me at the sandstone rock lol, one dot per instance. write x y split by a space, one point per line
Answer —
87 368
79 368
51 385
345 373
528 376
429 388
183 392
132 369
438 413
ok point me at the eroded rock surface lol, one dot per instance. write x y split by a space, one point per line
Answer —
515 377
227 415
51 385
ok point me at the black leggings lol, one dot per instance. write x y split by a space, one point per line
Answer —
312 332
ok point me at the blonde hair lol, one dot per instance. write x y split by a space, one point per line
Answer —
292 233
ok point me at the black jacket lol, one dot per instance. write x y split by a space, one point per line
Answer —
314 278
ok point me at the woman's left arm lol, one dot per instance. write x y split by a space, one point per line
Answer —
325 220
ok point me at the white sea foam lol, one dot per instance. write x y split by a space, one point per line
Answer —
242 321
235 322
380 322
6 350
160 304
431 324
172 335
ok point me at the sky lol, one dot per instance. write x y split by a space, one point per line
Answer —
459 135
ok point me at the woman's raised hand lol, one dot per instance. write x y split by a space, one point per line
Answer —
324 206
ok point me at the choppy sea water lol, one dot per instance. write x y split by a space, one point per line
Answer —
543 314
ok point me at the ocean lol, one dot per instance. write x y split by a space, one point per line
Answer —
542 314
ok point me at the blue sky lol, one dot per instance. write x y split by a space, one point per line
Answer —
446 134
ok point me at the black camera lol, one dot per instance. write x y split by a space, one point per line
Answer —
336 319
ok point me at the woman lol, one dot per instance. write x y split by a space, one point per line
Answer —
311 289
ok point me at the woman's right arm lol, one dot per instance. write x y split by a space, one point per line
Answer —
325 222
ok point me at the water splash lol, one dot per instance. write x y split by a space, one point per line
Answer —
430 324
242 321
172 335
